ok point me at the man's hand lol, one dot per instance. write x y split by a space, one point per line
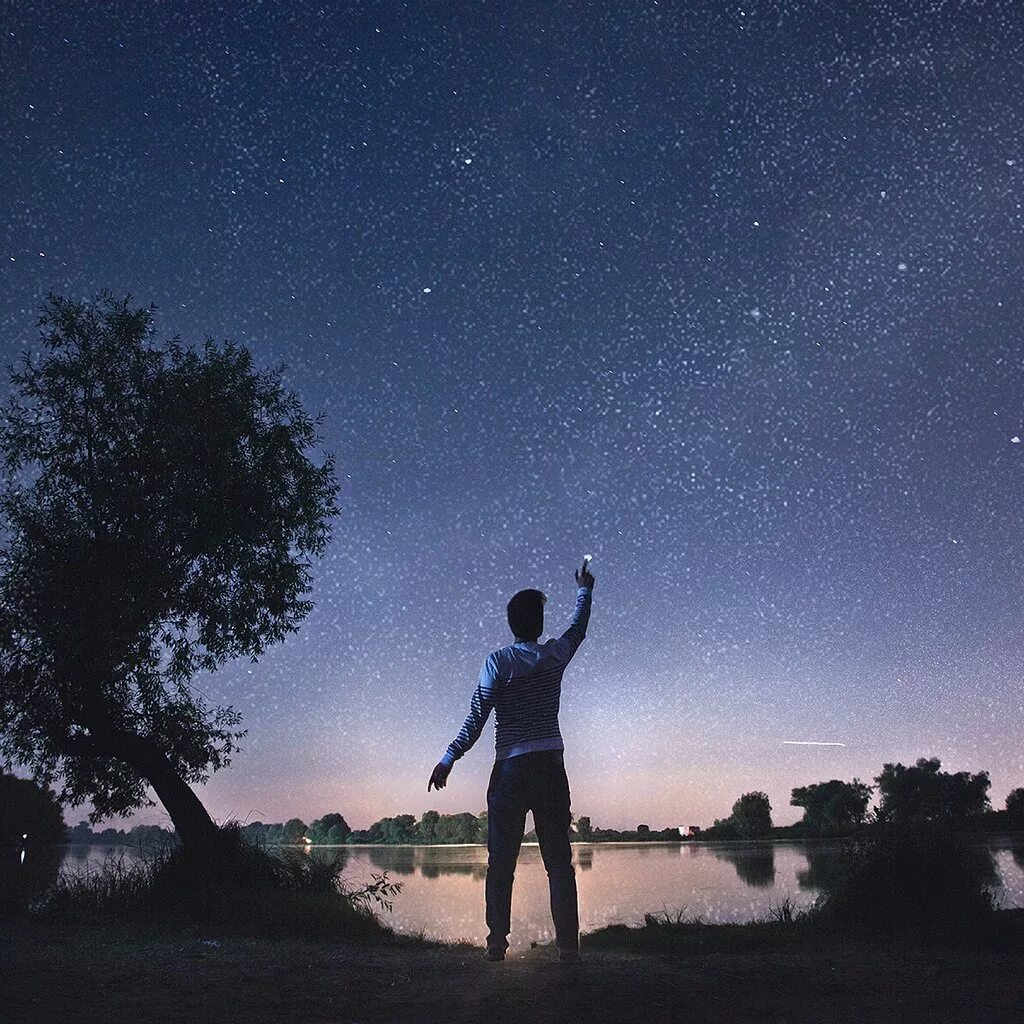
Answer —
584 577
439 777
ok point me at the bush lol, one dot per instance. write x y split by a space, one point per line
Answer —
236 888
923 877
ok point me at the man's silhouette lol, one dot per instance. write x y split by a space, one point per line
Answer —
523 683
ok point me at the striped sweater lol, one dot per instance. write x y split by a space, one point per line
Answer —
523 683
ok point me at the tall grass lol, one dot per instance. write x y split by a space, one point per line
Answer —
236 888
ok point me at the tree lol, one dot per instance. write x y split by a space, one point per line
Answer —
427 828
293 831
752 815
723 828
330 830
399 830
150 836
161 511
1015 804
923 793
457 828
31 810
254 832
30 822
643 830
584 830
833 807
80 833
466 828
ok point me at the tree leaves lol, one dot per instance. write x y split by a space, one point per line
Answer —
162 513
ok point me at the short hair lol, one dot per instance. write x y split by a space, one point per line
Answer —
526 614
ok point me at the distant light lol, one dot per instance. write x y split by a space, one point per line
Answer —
426 291
1014 439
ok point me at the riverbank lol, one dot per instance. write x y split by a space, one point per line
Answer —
85 973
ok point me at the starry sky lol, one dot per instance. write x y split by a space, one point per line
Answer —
726 295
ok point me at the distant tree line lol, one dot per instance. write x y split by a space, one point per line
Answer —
918 793
432 829
585 833
138 835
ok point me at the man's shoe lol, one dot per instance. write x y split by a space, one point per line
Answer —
569 956
495 954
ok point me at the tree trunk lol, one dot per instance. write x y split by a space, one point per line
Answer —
192 822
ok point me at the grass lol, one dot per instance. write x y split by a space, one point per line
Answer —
241 890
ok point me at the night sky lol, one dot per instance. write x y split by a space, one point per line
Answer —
727 295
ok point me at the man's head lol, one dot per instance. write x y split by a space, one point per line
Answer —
526 614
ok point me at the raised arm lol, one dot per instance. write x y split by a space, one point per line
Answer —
571 639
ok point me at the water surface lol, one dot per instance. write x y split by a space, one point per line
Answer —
443 886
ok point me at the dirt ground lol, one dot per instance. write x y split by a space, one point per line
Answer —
49 975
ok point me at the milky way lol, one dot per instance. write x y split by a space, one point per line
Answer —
728 295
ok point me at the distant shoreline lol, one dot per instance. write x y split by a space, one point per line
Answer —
802 840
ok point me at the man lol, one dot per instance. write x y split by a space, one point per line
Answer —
523 683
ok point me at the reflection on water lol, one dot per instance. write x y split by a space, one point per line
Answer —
443 886
821 872
754 863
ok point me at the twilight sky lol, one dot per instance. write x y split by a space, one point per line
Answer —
727 295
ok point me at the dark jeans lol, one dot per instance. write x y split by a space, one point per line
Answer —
530 782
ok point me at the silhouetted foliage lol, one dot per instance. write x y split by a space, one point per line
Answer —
752 815
400 830
607 835
143 836
330 830
30 823
922 875
722 828
294 831
161 512
923 793
832 808
30 810
1015 807
751 818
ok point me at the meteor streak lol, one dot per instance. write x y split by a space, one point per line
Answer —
813 743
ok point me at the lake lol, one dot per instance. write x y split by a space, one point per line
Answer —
443 886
